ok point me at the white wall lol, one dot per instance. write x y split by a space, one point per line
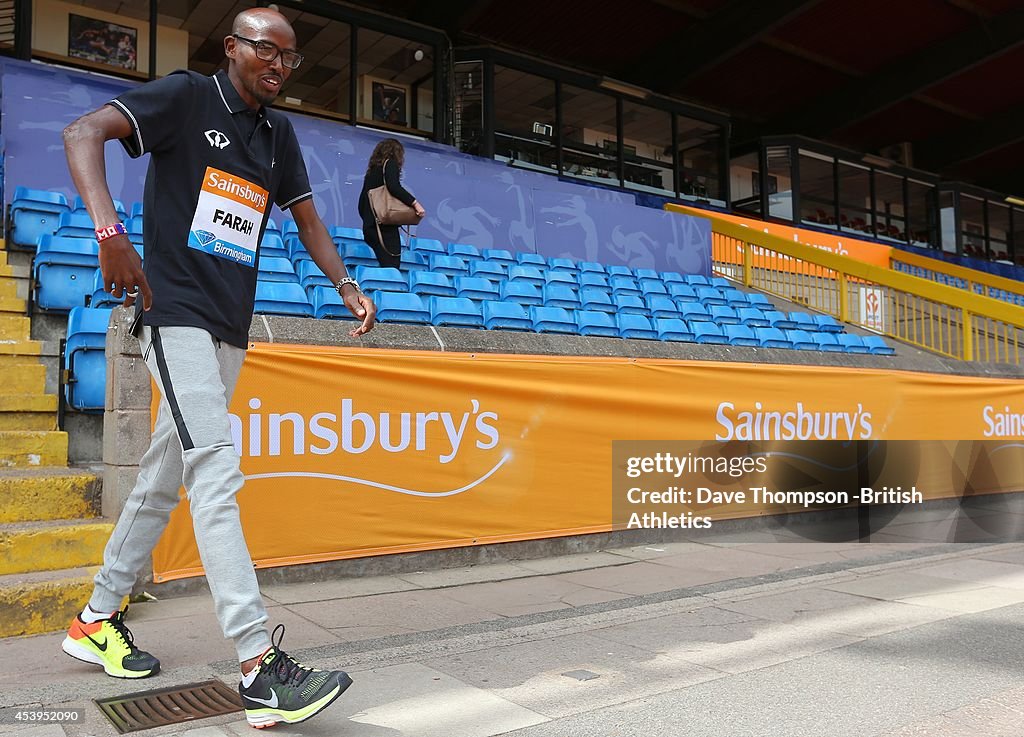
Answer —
50 34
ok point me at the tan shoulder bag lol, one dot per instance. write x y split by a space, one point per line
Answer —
389 210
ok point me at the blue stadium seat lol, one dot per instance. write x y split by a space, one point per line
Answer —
708 332
629 304
524 258
697 280
757 299
273 229
476 287
498 255
801 339
35 213
566 278
753 317
647 274
877 345
428 284
649 287
709 296
401 307
85 358
826 342
721 283
101 298
464 251
779 320
735 298
340 233
661 306
64 270
412 260
297 252
505 316
682 292
724 315
592 267
803 321
327 304
310 277
521 292
591 322
560 295
445 264
528 274
282 298
429 246
596 300
594 279
455 312
619 270
635 326
358 254
276 268
136 210
828 324
383 279
134 226
289 228
772 338
551 320
674 329
273 245
563 264
694 312
740 335
76 225
492 270
672 277
852 343
624 285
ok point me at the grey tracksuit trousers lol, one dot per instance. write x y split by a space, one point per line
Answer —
191 444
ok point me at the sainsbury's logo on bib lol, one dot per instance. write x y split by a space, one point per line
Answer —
228 217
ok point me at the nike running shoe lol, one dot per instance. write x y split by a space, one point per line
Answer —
109 643
280 689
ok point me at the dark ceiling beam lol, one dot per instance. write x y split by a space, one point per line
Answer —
907 77
970 142
451 16
708 42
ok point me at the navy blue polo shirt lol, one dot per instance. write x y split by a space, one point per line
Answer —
215 169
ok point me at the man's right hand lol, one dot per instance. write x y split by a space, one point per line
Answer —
122 271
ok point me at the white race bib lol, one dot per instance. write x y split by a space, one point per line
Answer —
228 217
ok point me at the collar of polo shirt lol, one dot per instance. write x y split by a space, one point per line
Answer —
232 100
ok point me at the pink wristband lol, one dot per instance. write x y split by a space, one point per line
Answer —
110 231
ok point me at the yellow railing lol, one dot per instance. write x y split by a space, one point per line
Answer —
960 277
945 320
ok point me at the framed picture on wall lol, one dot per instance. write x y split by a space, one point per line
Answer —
97 40
385 102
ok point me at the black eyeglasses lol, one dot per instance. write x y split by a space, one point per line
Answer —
267 51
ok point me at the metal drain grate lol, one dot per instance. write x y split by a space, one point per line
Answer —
148 709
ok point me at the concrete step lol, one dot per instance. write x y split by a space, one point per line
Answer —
36 494
28 547
12 305
14 327
9 287
33 448
34 603
25 378
28 403
39 421
20 347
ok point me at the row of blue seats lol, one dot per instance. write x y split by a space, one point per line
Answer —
955 281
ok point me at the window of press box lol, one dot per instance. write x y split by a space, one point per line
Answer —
855 214
817 189
999 230
972 226
647 149
394 82
890 211
947 220
700 155
745 183
524 118
590 144
1017 237
780 182
921 218
107 37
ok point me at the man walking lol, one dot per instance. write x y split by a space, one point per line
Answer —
218 159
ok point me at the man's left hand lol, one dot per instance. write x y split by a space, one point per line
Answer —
362 307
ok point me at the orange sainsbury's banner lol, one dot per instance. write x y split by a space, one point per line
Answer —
352 452
843 245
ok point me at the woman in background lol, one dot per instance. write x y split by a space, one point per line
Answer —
385 168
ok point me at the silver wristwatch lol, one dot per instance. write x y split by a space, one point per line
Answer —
347 280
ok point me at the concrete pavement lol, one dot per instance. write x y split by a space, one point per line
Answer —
695 638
